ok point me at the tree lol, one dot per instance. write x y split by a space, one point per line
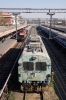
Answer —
4 21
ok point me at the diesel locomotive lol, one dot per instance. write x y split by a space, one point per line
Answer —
34 65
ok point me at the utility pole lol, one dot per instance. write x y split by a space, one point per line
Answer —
15 14
51 14
39 21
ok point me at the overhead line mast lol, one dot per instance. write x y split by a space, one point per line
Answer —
51 14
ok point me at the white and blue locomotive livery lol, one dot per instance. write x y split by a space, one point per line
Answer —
34 65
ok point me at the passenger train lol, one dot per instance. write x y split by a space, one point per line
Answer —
34 65
59 37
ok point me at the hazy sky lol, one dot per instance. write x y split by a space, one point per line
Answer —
35 4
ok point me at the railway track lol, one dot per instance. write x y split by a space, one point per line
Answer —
58 66
8 76
8 62
8 67
33 96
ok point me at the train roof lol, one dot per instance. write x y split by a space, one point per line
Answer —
35 38
59 37
35 48
60 34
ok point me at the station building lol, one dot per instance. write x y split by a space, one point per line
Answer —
9 17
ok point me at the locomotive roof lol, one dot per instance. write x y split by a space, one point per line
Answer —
36 50
35 39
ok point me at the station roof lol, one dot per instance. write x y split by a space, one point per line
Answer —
10 31
5 15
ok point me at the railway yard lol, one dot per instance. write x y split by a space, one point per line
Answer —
10 51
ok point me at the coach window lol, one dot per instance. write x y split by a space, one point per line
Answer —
28 66
41 66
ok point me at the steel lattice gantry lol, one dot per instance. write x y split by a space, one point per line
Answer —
33 10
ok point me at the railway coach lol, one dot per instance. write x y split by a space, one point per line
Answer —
34 65
59 37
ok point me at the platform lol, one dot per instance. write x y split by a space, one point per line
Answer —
6 45
11 30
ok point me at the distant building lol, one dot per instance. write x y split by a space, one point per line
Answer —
22 21
6 17
13 19
10 18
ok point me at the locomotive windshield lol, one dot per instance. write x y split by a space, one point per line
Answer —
28 66
41 66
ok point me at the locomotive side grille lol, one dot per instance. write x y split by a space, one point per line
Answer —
41 66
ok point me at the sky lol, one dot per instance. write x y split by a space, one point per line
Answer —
35 4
